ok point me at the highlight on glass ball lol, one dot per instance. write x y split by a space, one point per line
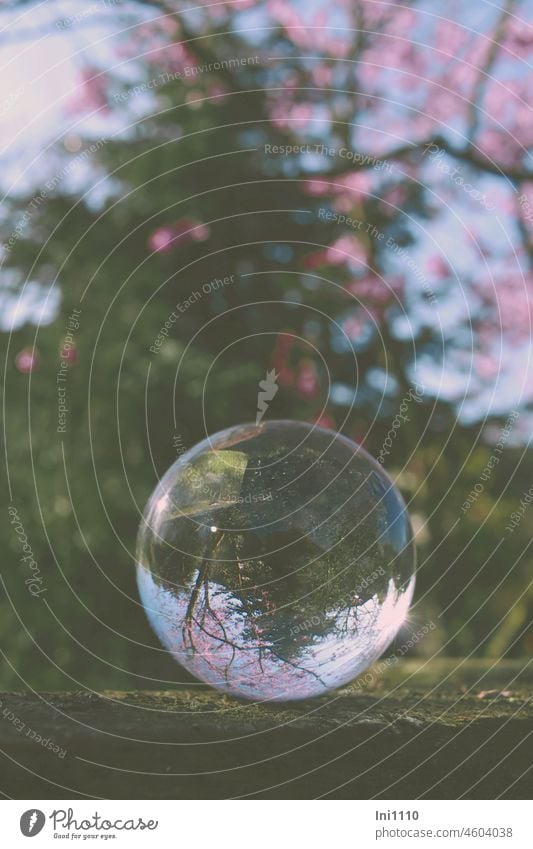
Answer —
276 561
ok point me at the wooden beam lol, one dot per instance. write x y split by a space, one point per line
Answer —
411 729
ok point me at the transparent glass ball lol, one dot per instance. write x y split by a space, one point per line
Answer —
275 561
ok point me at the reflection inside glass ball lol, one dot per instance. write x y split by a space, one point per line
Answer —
275 561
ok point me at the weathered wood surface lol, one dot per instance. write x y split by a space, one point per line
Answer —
443 729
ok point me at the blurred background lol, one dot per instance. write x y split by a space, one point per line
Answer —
194 196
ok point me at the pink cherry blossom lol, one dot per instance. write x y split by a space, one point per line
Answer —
307 383
437 266
160 240
371 289
91 93
27 360
324 420
166 239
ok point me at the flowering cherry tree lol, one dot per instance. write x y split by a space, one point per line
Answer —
411 128
358 174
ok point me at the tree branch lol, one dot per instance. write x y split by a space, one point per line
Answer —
468 154
483 76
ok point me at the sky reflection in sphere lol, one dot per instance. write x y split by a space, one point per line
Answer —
276 561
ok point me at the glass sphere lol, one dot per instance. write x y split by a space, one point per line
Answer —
275 561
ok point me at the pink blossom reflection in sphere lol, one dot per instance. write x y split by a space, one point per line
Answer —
276 561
